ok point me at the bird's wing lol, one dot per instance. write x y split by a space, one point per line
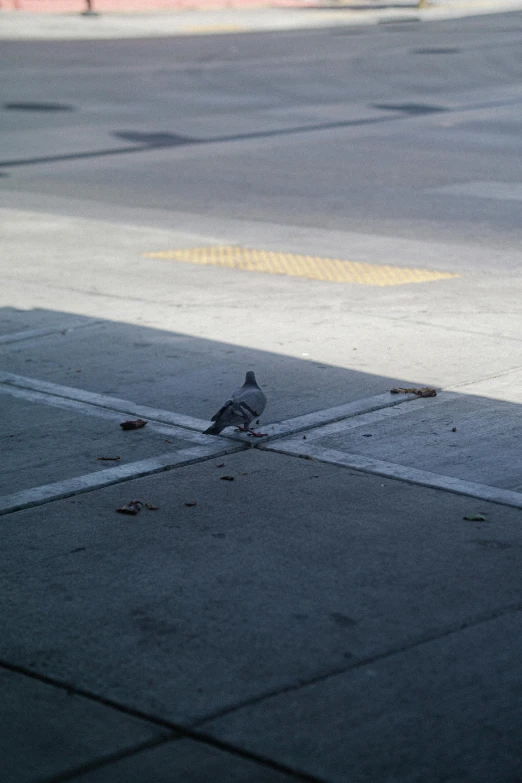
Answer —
233 412
221 411
252 401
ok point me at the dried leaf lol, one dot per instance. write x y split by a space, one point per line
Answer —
132 507
475 518
109 459
190 503
426 391
221 465
227 478
132 424
151 507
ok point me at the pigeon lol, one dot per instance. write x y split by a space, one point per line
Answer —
245 405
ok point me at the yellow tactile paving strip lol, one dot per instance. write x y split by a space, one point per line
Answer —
333 270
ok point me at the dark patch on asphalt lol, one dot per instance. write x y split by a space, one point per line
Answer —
38 107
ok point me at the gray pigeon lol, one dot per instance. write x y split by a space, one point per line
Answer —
245 405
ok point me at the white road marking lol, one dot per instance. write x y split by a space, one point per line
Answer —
401 472
37 496
104 401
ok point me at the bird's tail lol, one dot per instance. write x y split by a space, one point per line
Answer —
214 429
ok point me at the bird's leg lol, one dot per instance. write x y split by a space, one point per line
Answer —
256 434
250 432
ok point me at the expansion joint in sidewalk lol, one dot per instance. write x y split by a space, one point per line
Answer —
305 682
175 730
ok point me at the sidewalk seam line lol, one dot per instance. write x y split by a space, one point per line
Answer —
398 472
33 334
192 731
358 664
183 731
105 761
48 493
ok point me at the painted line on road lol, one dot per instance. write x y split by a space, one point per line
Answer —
393 470
29 334
104 401
75 406
46 493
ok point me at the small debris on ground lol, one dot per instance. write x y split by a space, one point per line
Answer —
190 503
132 507
454 429
109 459
221 465
475 518
151 507
426 391
227 478
132 424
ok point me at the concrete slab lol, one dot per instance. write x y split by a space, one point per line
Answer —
448 710
59 446
18 325
470 435
188 761
180 336
47 731
47 444
187 374
290 572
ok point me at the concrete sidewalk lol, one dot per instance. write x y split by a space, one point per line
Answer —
339 601
70 24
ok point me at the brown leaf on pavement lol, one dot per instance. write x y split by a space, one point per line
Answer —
132 507
132 424
227 478
151 507
426 391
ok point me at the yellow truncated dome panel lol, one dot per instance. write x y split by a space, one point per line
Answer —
333 270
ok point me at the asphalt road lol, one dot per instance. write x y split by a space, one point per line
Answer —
406 130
